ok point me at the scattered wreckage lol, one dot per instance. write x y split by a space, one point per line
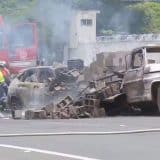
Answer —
136 90
65 109
35 87
41 92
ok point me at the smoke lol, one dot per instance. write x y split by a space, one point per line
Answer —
120 21
54 19
56 16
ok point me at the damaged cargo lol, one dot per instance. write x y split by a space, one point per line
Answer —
56 93
135 89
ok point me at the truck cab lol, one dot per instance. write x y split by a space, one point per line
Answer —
141 82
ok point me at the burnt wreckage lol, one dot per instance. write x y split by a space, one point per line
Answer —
135 89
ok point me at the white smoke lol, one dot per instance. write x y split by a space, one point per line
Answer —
54 18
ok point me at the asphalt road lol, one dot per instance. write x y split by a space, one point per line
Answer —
144 146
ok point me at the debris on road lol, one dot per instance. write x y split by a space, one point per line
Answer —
66 109
35 114
44 89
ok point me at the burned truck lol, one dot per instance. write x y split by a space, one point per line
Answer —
140 83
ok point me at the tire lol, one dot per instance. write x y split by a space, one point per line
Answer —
16 104
112 109
158 99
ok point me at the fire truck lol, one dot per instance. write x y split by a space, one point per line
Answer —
18 45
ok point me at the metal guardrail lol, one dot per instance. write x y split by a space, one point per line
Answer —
130 37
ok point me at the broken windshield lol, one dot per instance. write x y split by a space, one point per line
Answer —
153 55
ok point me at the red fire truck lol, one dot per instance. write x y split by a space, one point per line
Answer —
3 41
19 45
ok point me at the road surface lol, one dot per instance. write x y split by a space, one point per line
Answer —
144 146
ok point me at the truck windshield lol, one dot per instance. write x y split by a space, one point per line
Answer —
22 36
153 55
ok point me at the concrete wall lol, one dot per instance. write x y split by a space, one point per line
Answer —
121 45
82 32
83 51
88 51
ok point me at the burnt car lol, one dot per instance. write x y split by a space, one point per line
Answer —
39 86
30 89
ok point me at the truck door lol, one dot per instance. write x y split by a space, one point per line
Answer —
133 79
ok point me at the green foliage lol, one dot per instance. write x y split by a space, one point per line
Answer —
107 32
124 16
85 4
145 17
16 10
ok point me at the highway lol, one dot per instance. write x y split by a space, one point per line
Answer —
25 146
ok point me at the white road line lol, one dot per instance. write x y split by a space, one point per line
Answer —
47 152
122 125
1 115
70 133
27 151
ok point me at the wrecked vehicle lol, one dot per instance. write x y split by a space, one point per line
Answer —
141 82
98 93
35 88
29 88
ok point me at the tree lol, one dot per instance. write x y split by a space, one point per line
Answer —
145 17
127 16
15 10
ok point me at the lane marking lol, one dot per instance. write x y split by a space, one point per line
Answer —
152 130
47 152
27 151
122 125
7 118
1 115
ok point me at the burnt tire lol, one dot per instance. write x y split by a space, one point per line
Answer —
149 108
16 104
118 107
158 99
112 109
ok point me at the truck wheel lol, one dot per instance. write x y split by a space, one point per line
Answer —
149 108
112 109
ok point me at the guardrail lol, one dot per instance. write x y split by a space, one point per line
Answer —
130 37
